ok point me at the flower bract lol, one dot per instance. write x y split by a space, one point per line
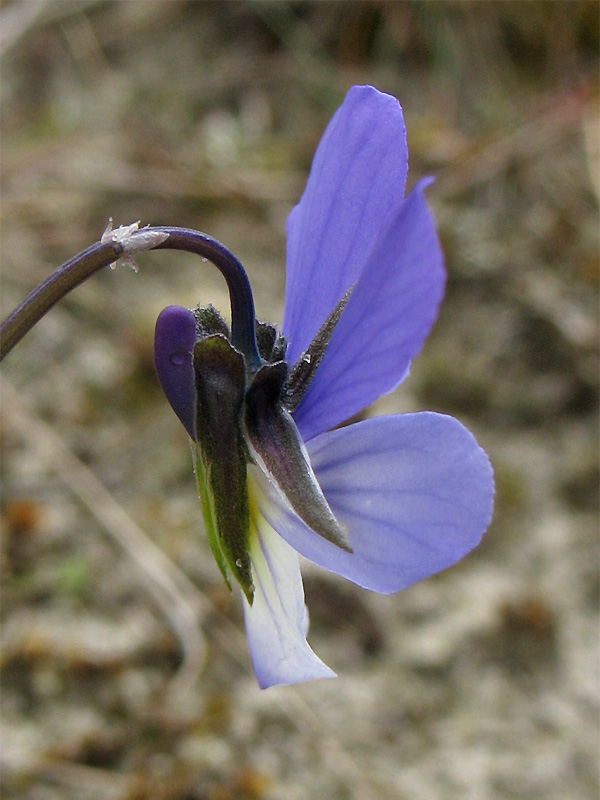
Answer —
384 502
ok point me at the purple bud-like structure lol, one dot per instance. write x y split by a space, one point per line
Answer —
174 339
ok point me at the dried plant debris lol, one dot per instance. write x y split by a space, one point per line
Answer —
480 682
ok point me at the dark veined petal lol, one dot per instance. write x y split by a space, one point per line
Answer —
173 345
356 184
414 491
278 448
277 620
385 322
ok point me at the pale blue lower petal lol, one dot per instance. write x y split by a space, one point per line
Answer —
414 492
277 620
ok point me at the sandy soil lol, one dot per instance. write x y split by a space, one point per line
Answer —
124 664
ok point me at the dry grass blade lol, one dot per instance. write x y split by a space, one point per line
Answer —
179 600
532 138
359 781
19 18
99 783
182 603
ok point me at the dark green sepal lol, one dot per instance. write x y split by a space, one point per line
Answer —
220 378
209 321
304 369
271 345
277 443
208 513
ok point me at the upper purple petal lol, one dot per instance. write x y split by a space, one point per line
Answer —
174 337
385 322
414 491
356 184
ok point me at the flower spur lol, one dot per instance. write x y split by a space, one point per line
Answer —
383 502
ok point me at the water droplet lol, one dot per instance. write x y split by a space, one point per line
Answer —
177 359
238 563
306 358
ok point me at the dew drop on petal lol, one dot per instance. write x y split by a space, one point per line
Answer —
177 359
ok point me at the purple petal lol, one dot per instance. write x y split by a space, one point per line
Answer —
385 322
174 337
277 620
414 491
356 183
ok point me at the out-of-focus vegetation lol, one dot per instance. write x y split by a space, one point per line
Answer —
124 667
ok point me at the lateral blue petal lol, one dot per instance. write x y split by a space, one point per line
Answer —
385 322
356 184
414 491
277 620
173 344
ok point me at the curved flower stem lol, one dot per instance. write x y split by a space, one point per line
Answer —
243 332
41 299
124 242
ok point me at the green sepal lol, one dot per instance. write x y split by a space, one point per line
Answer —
220 380
208 513
209 322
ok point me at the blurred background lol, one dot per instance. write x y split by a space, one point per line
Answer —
124 663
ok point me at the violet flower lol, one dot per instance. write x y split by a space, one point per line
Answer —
383 502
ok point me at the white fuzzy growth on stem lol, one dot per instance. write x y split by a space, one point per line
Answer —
133 240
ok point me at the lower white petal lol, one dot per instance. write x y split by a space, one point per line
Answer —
277 620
